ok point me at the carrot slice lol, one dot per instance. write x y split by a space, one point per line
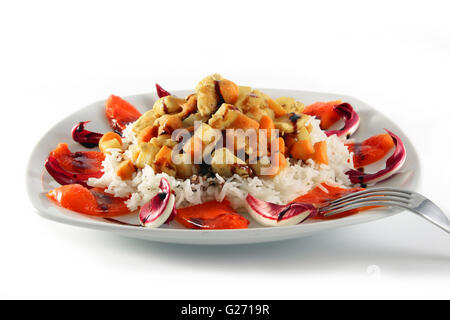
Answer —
276 108
370 150
85 162
163 159
319 197
94 202
125 170
211 215
110 140
266 123
325 112
148 133
120 113
320 152
281 145
302 150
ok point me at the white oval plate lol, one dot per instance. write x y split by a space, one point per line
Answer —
39 182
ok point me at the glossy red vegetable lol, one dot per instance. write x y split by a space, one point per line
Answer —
64 177
161 92
350 117
160 208
325 112
321 196
120 113
393 164
211 215
85 137
68 167
274 215
95 202
85 162
370 150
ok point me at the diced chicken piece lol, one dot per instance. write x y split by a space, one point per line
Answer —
168 123
190 120
207 97
254 104
189 107
290 104
225 163
290 122
144 121
163 140
229 117
242 95
168 105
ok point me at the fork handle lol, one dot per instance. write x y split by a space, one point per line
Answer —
431 212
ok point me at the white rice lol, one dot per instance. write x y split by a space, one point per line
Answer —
293 181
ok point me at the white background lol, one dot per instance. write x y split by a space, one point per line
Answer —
57 56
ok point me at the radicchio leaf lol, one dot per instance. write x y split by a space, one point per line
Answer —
271 214
85 137
393 164
351 118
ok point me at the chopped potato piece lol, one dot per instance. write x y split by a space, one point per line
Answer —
146 155
290 122
225 163
184 166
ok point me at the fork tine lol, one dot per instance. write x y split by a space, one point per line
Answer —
366 199
369 195
327 213
406 194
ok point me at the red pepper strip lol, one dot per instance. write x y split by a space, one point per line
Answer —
120 113
94 202
320 198
211 215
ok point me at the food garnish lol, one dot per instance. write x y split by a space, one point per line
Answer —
120 113
94 202
393 164
370 150
211 215
321 195
350 117
274 215
85 137
325 111
68 167
64 177
161 92
160 208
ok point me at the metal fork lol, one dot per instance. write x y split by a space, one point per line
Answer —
389 197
